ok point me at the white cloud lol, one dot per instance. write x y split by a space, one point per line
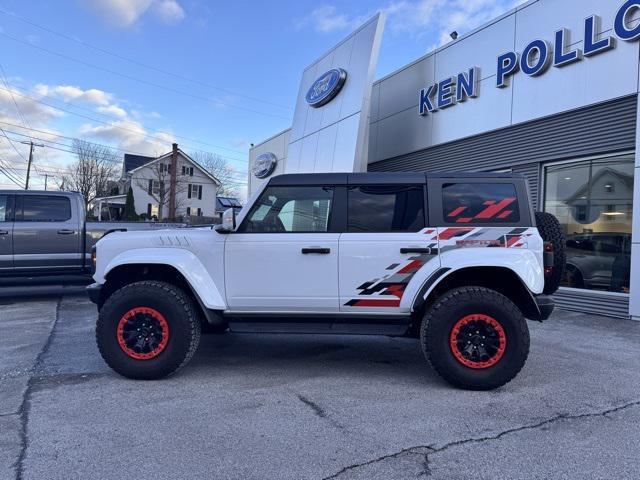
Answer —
113 110
70 93
131 135
169 11
125 13
327 19
415 17
33 112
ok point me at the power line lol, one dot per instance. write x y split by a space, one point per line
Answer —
69 148
139 63
93 143
140 80
120 118
119 127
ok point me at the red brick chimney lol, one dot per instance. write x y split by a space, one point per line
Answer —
172 185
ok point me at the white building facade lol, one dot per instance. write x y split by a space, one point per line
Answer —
548 90
196 189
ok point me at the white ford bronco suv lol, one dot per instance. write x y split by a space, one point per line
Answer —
456 260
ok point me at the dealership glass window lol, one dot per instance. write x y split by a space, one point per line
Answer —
593 201
379 208
290 209
480 202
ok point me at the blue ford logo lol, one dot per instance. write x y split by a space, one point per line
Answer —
325 88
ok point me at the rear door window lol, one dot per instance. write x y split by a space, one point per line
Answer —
385 208
45 208
480 203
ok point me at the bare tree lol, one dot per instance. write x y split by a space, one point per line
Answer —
93 171
158 186
219 168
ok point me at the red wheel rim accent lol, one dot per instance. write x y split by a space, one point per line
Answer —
467 334
141 342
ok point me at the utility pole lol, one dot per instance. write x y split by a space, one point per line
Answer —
46 178
31 145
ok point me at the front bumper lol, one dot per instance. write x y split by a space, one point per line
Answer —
94 291
545 306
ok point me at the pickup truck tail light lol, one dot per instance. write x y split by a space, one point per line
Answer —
548 258
93 259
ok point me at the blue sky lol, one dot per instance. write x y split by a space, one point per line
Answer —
233 69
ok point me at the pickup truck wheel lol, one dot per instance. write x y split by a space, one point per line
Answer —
475 338
148 330
551 231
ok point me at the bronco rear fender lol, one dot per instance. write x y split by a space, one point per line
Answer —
521 262
183 261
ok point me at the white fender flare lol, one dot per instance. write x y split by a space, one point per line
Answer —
183 261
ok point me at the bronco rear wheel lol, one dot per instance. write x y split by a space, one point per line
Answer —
475 338
147 330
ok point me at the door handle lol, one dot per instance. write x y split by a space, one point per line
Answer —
4 232
65 231
415 250
320 250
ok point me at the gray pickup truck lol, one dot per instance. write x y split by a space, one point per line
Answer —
45 233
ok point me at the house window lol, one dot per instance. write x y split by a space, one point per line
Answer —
155 187
187 171
199 212
194 191
593 202
188 211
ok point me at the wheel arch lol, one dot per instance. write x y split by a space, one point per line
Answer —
501 279
126 273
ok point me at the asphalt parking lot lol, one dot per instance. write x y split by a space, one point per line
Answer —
312 407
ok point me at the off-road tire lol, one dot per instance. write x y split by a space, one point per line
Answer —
443 315
180 314
551 231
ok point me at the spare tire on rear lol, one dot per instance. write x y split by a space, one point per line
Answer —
551 231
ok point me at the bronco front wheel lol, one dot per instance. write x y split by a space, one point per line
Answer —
475 338
147 330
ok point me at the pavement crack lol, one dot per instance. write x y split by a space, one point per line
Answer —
404 451
318 410
25 406
432 450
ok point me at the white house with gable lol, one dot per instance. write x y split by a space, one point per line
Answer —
150 179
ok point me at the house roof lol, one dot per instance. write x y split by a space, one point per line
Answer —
131 162
186 157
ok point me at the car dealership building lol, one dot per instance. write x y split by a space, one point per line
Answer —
548 90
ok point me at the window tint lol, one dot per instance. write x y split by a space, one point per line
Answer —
45 208
385 208
4 208
480 202
290 209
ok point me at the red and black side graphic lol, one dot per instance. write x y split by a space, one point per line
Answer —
393 285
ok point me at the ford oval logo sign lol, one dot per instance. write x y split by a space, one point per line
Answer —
325 88
264 165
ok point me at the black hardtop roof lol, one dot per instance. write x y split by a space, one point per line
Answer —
379 177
